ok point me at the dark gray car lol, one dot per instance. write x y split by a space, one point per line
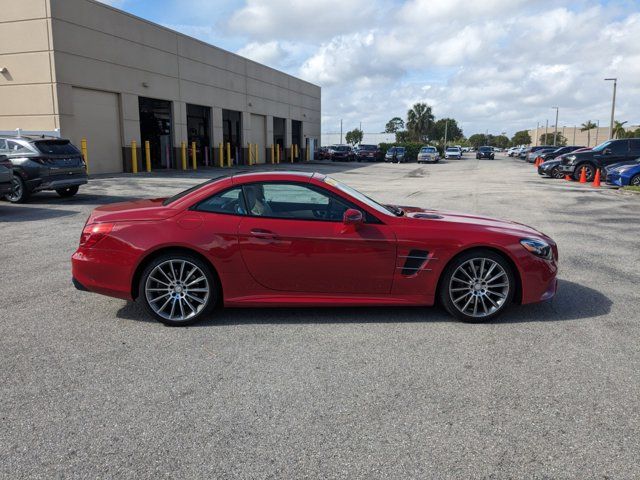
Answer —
5 176
43 163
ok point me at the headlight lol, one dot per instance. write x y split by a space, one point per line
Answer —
537 247
571 158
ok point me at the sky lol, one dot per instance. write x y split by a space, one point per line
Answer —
493 65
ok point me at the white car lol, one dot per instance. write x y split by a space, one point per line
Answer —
453 152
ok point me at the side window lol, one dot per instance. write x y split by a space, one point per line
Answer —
634 147
619 148
3 146
293 201
16 148
230 202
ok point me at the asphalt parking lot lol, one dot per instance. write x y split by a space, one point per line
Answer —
92 389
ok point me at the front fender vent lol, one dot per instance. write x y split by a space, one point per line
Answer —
414 262
428 216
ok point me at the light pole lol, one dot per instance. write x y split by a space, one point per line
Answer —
555 129
446 128
340 131
597 130
546 131
537 127
613 104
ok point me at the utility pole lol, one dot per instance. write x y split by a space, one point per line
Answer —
597 130
446 128
546 131
574 134
555 130
613 104
340 131
537 127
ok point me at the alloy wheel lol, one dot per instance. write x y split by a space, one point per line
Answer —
635 181
479 287
177 290
17 190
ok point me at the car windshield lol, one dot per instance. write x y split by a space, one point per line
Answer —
363 198
368 147
340 148
427 150
485 149
56 147
602 146
452 149
178 196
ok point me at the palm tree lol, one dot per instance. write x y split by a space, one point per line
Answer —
418 120
587 127
618 129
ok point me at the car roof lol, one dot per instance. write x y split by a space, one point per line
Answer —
31 138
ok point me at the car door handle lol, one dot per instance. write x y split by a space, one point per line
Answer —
265 234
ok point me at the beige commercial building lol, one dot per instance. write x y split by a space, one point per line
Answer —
92 71
575 136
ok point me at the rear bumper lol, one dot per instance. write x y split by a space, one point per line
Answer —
103 271
56 182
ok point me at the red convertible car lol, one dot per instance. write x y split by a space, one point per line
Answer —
303 239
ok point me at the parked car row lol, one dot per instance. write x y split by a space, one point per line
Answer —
396 154
617 160
36 164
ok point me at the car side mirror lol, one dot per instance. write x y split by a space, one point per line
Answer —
353 217
606 151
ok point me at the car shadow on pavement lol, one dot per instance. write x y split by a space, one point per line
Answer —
79 199
573 302
20 213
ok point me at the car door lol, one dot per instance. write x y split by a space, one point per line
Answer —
618 151
294 240
634 149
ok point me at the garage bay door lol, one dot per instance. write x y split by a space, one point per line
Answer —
96 117
258 136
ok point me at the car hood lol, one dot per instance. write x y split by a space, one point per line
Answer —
623 166
466 219
552 163
136 210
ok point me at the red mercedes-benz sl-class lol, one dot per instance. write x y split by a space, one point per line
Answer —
303 239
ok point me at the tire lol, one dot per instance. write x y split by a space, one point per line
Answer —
557 173
635 181
20 193
68 191
476 303
171 294
590 170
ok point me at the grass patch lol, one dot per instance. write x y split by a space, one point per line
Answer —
632 189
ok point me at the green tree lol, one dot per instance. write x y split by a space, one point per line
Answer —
354 136
521 138
394 125
419 120
478 140
587 127
619 130
500 141
547 139
451 125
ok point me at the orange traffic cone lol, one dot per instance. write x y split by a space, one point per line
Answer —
568 178
583 175
537 162
596 179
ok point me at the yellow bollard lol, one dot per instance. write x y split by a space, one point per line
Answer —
147 155
228 154
134 156
308 154
250 153
256 157
220 155
273 158
85 155
297 153
278 154
183 155
193 156
292 150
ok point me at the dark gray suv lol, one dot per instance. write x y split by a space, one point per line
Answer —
43 163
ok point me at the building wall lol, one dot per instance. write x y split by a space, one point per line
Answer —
588 139
27 96
60 46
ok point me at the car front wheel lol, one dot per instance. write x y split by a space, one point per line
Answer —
635 181
68 191
19 191
589 169
557 173
477 286
178 289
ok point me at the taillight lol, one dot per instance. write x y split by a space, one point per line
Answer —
93 233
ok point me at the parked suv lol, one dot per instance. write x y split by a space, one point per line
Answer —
396 154
453 152
368 153
341 153
605 154
485 152
43 163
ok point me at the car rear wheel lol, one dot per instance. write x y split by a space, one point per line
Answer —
635 181
68 191
477 286
178 289
20 192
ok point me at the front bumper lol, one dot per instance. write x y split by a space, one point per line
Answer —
616 179
568 168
